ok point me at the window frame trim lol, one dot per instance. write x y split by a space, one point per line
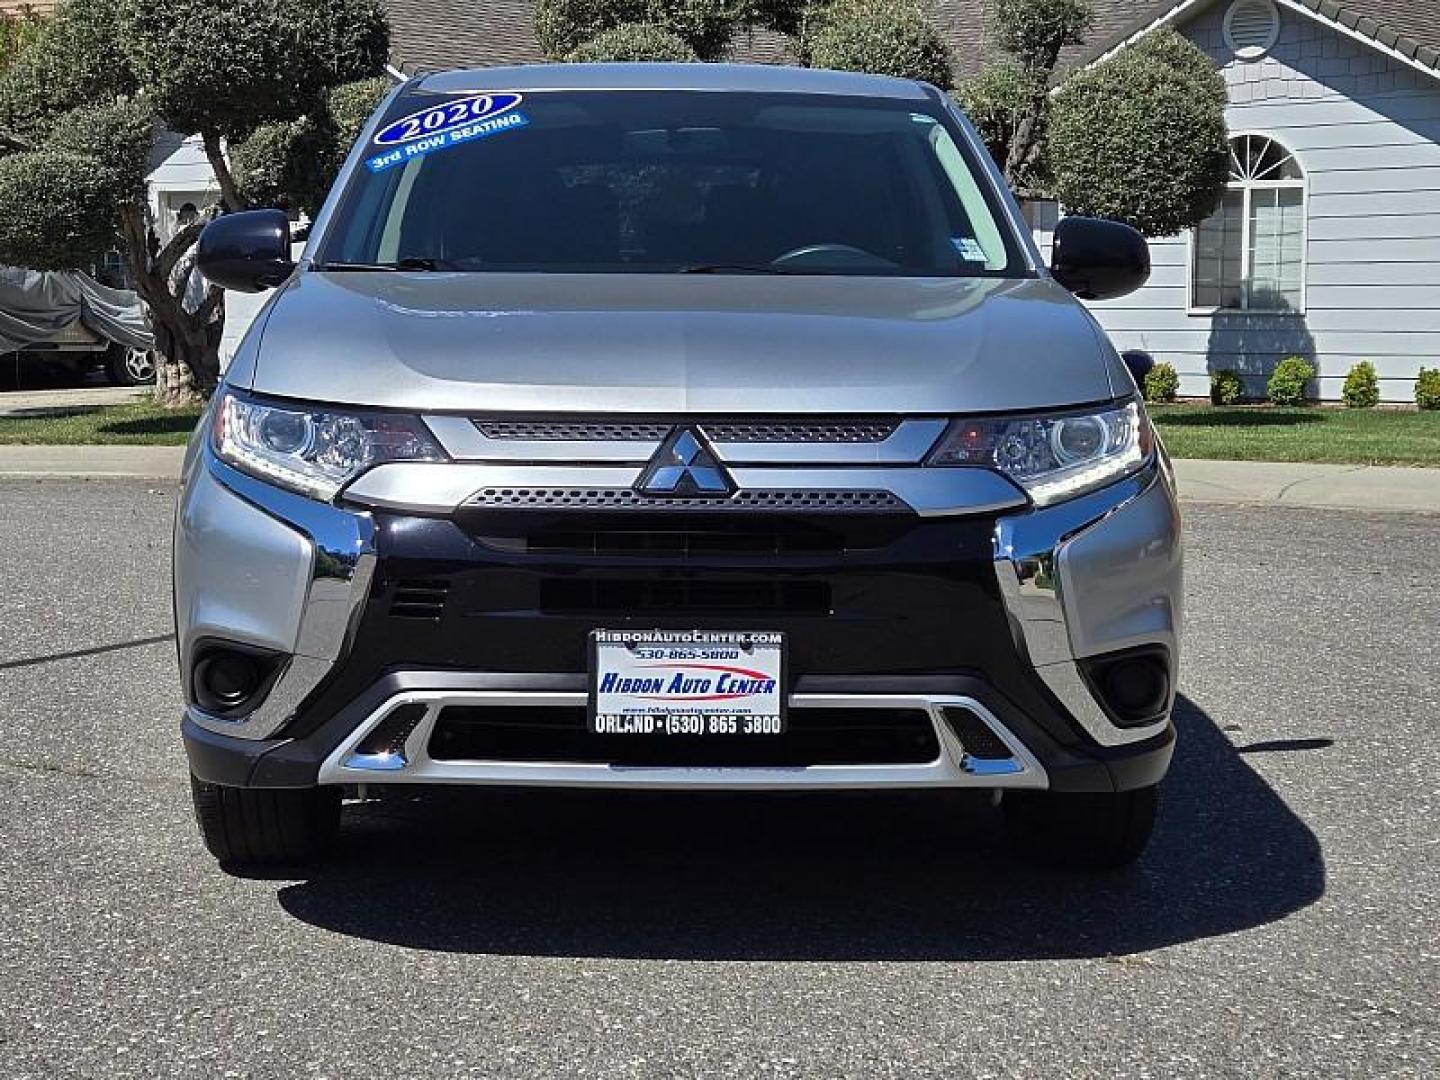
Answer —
1246 187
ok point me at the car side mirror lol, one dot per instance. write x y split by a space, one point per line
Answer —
1097 259
1139 362
246 251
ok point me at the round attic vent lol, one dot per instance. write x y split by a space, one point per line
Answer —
1251 27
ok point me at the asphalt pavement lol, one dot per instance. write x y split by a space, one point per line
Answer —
1286 920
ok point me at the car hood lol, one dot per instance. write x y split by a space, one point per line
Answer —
665 344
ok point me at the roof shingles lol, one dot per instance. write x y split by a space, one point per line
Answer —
431 35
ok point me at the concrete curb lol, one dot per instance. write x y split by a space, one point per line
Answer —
1245 483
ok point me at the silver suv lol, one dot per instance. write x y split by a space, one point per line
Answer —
679 427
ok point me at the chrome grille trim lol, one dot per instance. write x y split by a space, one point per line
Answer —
815 502
745 431
410 763
736 442
431 488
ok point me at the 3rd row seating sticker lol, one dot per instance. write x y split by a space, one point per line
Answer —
447 124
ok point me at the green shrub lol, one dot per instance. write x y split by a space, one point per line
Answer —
1162 383
1142 137
1289 380
883 37
1427 388
633 43
1226 387
562 26
1362 387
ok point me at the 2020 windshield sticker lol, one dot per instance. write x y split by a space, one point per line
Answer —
447 124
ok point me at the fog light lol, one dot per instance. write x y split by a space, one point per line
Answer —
1137 688
1133 686
226 679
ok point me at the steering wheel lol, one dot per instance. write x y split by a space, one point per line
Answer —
836 255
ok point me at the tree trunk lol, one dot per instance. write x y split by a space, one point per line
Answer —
187 337
229 191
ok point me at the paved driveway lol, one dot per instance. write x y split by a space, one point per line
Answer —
1285 921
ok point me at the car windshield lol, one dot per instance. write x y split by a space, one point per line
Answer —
669 181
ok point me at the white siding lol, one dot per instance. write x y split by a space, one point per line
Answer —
1366 130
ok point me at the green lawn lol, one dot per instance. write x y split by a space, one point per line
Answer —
1268 433
1246 433
140 424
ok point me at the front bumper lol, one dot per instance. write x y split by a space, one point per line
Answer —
368 611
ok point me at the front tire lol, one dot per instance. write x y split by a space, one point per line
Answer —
266 826
1083 830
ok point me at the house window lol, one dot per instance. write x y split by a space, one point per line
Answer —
1250 253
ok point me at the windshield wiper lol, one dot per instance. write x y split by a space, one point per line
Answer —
410 262
730 268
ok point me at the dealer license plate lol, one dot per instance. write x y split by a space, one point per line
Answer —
712 684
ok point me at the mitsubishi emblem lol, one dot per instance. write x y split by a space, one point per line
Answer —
685 466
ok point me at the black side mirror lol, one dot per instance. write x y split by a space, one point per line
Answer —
1097 259
248 251
1139 362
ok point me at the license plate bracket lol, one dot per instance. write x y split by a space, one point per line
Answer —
711 684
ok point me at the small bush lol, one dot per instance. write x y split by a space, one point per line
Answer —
883 37
1288 381
1427 388
1162 383
1226 388
633 43
1362 387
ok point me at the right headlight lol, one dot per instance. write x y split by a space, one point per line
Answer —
315 450
1053 456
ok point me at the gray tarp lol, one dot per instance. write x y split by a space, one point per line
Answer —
37 305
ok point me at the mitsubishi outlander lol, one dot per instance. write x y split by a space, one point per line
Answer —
682 427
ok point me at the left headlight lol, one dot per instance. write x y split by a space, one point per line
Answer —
1054 456
315 451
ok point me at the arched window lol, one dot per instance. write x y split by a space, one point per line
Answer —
1250 253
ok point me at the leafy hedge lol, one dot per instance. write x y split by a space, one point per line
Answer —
1162 383
1362 386
1427 388
633 42
1226 387
1142 137
883 37
1289 381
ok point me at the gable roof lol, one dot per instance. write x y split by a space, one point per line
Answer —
1409 30
432 35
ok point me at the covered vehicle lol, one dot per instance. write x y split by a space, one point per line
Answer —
70 318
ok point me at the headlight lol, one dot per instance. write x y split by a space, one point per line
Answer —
1053 457
314 451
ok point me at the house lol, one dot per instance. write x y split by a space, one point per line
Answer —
1327 243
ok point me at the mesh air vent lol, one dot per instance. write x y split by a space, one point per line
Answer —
1251 27
820 502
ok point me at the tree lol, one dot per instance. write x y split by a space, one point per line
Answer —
890 37
883 37
1009 101
1142 137
82 103
630 42
704 26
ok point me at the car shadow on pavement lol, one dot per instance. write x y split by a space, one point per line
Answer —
917 877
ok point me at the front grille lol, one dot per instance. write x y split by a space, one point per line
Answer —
801 432
829 736
418 599
572 431
583 596
757 431
626 499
